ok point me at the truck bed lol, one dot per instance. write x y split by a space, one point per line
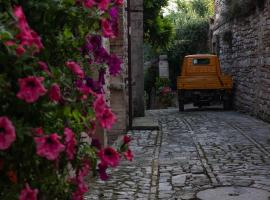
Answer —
204 82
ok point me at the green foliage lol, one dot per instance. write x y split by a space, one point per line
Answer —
191 35
157 30
242 8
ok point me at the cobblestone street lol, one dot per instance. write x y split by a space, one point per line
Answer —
193 151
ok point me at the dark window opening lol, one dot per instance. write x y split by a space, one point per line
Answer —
201 61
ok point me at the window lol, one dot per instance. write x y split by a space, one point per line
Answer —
201 61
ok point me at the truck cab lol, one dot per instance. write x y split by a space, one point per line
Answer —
202 82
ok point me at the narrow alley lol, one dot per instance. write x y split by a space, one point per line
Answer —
192 152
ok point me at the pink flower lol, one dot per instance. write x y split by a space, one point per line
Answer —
44 67
70 142
129 155
126 139
103 4
99 105
20 50
107 119
75 68
18 12
102 171
104 115
55 93
9 43
38 131
79 181
88 3
109 156
7 133
27 36
85 90
49 146
28 194
31 88
106 27
118 2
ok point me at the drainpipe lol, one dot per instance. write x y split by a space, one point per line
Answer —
130 107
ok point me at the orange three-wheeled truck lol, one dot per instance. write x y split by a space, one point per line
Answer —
202 82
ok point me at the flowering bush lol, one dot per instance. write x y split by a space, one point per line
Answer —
164 91
49 51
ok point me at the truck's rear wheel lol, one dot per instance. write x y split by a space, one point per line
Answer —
181 101
227 101
181 106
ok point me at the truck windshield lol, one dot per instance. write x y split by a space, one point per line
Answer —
201 61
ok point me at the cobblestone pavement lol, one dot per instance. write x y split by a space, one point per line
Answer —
193 151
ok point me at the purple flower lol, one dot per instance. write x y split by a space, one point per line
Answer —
94 85
101 77
113 12
114 65
101 55
96 143
93 42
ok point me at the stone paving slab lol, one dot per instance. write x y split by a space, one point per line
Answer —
145 123
192 152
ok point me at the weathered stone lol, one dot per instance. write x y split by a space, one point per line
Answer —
234 193
179 180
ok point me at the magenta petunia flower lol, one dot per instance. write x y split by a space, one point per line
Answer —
126 139
103 4
7 133
114 65
9 43
102 171
79 181
107 119
49 146
106 27
70 142
99 105
55 93
75 68
118 2
129 155
38 131
20 50
31 88
27 36
28 194
88 3
44 67
109 156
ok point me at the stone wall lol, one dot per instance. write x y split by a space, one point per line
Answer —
118 84
244 49
136 12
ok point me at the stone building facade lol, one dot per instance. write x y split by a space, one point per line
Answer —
243 45
136 32
118 84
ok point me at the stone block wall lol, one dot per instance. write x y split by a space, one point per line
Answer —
118 84
246 57
136 12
